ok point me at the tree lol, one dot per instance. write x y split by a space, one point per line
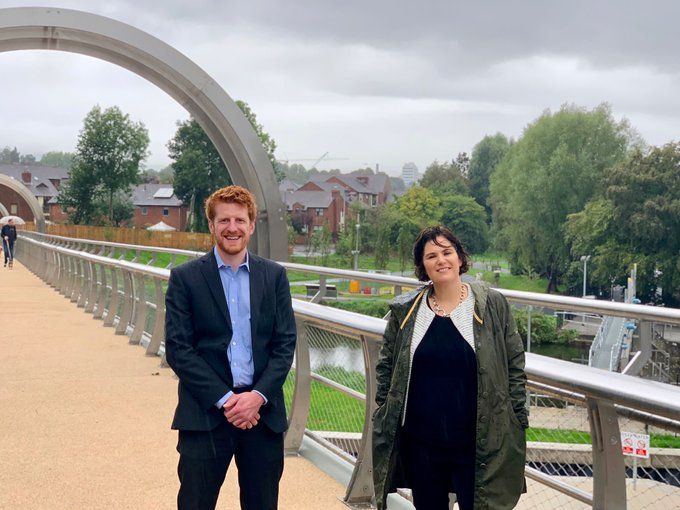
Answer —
295 172
408 232
467 220
9 156
27 159
198 168
636 222
462 163
267 141
123 209
78 197
444 178
419 206
486 156
109 151
552 171
57 158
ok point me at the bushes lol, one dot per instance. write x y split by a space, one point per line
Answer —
372 307
544 328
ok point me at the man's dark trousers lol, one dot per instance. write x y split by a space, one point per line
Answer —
205 457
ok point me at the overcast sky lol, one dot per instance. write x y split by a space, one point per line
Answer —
370 82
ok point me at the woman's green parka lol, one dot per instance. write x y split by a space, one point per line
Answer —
501 396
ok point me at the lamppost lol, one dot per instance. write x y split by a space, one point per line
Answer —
355 251
585 259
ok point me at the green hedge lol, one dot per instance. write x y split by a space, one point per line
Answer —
373 307
544 328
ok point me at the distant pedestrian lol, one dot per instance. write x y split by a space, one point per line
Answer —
9 236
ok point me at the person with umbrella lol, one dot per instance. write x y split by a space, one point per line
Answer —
9 236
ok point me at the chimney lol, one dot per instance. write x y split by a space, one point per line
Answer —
26 176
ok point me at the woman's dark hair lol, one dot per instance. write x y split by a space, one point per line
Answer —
431 234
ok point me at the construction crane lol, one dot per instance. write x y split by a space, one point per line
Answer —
324 157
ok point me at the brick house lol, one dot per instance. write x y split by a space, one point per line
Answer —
312 209
158 202
43 181
326 198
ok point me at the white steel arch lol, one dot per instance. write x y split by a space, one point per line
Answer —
33 28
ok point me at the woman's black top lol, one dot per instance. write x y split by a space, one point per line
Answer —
442 398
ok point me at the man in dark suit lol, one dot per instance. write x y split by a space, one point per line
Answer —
230 338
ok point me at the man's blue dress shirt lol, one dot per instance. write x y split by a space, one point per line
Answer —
236 287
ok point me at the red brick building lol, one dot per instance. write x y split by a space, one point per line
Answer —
43 181
325 198
158 202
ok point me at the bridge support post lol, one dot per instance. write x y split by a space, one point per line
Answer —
299 409
360 491
609 474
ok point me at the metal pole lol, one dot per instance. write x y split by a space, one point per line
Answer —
529 308
585 259
585 273
355 252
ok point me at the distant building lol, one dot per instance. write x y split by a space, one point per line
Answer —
409 174
158 202
43 181
153 203
325 198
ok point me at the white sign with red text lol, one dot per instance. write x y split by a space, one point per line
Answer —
635 445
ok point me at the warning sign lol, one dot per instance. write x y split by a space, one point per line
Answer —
635 445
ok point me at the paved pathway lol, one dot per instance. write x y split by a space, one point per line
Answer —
85 417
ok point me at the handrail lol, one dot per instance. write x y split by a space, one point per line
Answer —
81 276
631 311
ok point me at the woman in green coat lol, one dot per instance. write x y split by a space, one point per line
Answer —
450 397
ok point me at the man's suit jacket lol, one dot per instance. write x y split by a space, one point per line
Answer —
198 332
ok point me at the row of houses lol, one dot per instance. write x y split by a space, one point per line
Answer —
153 202
324 199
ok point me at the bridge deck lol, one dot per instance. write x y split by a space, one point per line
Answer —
85 417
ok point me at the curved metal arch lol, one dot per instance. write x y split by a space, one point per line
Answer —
26 194
3 210
32 28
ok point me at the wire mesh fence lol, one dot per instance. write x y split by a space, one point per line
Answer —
653 482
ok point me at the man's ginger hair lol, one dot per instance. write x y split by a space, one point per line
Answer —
231 194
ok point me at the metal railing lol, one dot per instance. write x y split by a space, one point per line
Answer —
574 454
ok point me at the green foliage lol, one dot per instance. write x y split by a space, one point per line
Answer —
551 172
267 141
320 242
162 176
371 307
408 232
382 247
544 328
420 205
295 172
108 154
10 156
57 158
467 219
122 209
636 222
486 156
445 178
199 169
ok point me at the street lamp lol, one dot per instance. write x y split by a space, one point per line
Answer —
355 251
585 259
